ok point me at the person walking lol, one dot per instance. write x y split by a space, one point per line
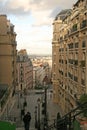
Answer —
22 113
58 118
26 120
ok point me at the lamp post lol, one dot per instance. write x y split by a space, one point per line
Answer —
35 116
45 82
18 100
25 102
45 101
38 101
45 114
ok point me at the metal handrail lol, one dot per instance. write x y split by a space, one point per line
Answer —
69 117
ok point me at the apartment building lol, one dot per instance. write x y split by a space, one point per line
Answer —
42 66
24 71
38 74
69 55
7 62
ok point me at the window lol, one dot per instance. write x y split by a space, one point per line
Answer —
76 45
84 44
83 57
54 37
83 24
21 86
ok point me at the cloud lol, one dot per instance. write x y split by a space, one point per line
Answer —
14 7
33 21
43 11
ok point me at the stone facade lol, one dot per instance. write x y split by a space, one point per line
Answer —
69 55
7 52
41 67
24 71
8 75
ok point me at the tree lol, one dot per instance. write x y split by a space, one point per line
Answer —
82 100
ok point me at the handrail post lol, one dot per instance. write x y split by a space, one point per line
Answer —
70 121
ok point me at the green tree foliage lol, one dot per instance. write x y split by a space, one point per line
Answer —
82 100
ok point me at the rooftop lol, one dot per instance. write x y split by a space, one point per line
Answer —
63 14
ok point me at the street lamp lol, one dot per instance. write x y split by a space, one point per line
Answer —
45 83
25 102
35 116
18 100
45 114
38 101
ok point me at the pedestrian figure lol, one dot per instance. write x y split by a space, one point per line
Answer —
58 118
25 103
22 113
26 120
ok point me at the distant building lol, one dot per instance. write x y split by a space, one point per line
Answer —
8 55
24 71
41 68
69 55
38 74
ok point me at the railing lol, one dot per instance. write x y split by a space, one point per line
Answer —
66 122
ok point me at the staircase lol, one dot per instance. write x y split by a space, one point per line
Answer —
21 128
72 120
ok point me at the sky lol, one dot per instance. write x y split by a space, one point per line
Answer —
33 22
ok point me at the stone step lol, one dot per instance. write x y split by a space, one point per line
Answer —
22 128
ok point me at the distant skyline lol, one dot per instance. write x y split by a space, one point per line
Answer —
33 22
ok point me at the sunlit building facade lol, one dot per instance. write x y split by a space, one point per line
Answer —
24 71
8 55
69 55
